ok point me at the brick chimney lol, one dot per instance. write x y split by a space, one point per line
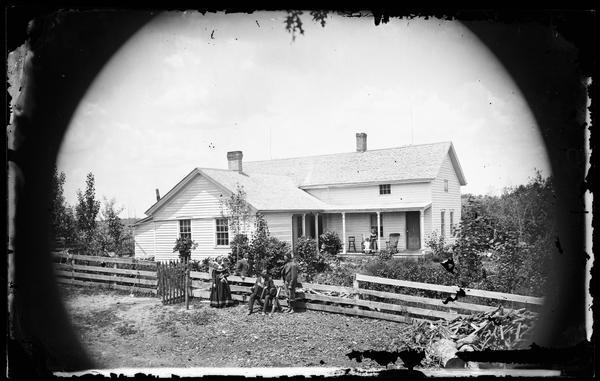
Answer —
234 160
157 195
361 142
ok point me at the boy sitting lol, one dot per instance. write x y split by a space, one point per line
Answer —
264 288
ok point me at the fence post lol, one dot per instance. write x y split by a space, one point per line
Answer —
114 276
355 286
187 277
72 262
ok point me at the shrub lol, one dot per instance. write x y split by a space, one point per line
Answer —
264 251
202 265
330 243
385 254
310 261
440 250
240 245
340 275
408 269
184 245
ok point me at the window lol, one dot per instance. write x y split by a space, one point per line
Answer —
452 223
222 230
374 224
385 189
185 229
446 186
443 224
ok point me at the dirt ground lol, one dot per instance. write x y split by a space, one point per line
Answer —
122 330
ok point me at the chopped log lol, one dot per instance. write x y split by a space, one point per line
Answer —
444 350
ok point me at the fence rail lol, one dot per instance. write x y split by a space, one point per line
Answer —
100 259
452 290
359 300
99 274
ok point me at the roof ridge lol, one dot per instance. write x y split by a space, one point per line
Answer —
216 169
349 153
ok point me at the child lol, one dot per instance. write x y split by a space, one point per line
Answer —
263 288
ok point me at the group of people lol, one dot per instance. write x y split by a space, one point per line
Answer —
264 290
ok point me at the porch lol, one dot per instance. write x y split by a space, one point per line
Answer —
355 226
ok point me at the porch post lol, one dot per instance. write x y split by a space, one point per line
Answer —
344 232
317 230
422 229
378 231
304 225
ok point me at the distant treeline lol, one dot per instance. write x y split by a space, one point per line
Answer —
518 230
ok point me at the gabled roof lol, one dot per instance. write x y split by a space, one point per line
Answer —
263 192
276 185
266 192
407 163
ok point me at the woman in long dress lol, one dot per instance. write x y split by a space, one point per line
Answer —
220 295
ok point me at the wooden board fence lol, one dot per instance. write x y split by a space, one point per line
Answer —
452 290
361 301
168 280
106 272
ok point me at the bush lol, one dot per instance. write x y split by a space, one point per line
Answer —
240 245
264 251
340 275
202 265
310 261
440 250
330 243
184 245
385 254
408 269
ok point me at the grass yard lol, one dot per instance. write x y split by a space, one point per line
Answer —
121 330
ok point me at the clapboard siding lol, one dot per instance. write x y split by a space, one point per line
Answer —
359 226
204 233
280 225
426 225
199 198
333 222
442 200
166 234
394 223
144 240
369 195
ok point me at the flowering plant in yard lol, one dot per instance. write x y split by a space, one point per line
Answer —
184 245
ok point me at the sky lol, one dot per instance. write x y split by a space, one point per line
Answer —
188 88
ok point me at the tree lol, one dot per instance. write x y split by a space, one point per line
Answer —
62 218
475 236
526 217
112 228
237 211
258 245
87 209
519 229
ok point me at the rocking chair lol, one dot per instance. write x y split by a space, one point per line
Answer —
392 244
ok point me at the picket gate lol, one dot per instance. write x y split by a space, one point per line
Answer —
172 282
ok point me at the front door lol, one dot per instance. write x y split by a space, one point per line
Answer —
413 231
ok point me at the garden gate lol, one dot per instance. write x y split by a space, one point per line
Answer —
172 282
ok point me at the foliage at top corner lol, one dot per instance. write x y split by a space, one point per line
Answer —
293 22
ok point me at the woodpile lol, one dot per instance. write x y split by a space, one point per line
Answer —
496 330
